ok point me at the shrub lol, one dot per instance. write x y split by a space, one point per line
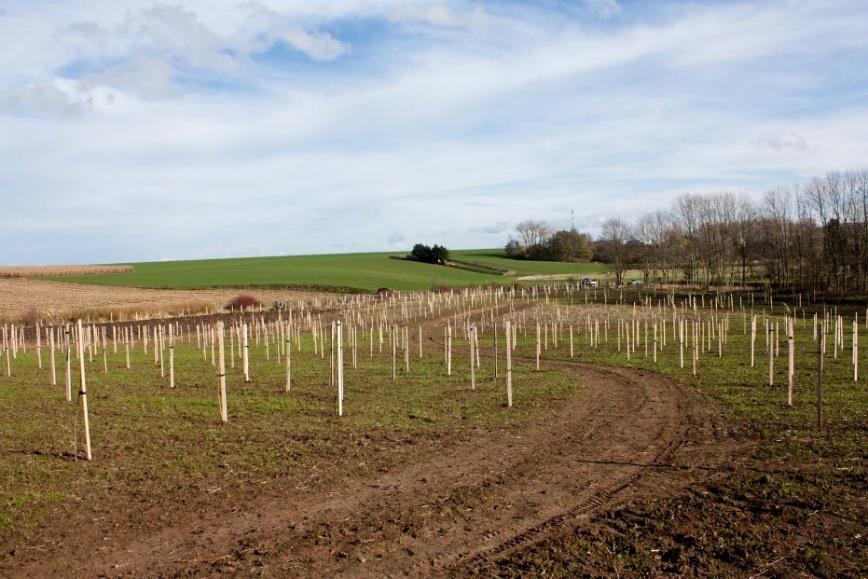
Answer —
243 302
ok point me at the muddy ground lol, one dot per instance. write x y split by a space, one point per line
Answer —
634 475
468 507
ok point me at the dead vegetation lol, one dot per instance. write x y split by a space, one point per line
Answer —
32 299
243 302
26 271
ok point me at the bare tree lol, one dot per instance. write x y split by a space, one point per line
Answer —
644 233
811 237
532 233
777 213
614 238
744 234
687 209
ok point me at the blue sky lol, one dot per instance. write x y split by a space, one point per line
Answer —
210 128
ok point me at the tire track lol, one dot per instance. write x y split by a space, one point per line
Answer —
460 508
605 497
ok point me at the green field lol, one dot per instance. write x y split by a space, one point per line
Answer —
357 271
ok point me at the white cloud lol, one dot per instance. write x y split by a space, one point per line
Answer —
317 45
439 14
263 27
781 142
604 8
458 132
60 97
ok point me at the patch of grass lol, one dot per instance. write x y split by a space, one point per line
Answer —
497 258
793 504
361 271
155 447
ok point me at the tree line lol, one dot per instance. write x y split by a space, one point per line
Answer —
808 237
536 240
813 236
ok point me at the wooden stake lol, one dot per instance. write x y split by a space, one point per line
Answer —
495 350
51 347
538 346
820 377
171 355
509 364
160 344
246 351
82 394
38 346
772 340
221 374
394 339
340 368
449 350
68 364
6 348
288 347
791 359
406 335
752 339
472 360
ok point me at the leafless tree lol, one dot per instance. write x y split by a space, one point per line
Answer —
532 233
810 237
614 238
744 232
687 209
778 225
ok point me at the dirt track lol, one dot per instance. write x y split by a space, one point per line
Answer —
463 506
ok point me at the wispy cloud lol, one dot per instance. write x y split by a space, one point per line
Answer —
287 127
604 8
781 142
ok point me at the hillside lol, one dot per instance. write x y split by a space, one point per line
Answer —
360 271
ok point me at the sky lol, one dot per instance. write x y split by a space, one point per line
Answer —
143 130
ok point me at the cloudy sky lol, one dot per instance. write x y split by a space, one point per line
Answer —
142 130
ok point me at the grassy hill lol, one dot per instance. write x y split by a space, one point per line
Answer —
497 258
362 271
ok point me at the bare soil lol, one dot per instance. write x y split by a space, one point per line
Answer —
453 509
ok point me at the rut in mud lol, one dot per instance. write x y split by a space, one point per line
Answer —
461 506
